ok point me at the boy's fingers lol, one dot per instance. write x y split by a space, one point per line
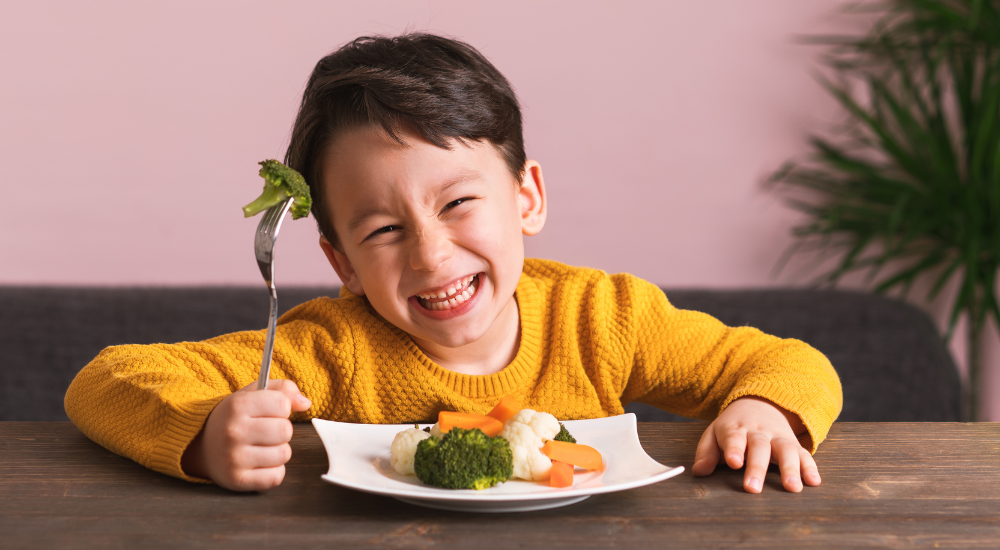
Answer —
257 457
298 401
734 444
269 431
810 473
266 403
786 454
259 479
291 390
707 455
758 458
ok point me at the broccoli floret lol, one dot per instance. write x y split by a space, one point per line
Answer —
464 459
564 435
281 182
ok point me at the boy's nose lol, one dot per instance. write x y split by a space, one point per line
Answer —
431 250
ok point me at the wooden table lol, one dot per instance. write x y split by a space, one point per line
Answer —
884 485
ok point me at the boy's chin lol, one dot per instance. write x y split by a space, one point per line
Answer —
454 331
452 336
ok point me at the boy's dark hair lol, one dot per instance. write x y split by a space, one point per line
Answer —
439 88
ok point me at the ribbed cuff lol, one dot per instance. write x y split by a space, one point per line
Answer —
184 422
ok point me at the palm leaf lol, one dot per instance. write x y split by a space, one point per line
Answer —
911 187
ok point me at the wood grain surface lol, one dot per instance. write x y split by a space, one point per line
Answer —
934 485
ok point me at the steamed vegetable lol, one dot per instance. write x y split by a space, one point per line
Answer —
583 456
561 474
450 419
404 449
505 409
280 182
564 435
527 431
463 459
476 451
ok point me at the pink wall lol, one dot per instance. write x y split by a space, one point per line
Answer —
133 130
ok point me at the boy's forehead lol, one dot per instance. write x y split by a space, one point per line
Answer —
368 159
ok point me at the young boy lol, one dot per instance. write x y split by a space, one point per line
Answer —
422 192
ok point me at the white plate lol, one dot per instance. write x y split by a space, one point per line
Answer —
359 459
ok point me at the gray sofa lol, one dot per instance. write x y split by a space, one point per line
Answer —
892 363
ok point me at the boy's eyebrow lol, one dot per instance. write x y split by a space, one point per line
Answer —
362 215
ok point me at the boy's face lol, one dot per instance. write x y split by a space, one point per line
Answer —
432 237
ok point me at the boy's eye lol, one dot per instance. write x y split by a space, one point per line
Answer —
382 231
457 202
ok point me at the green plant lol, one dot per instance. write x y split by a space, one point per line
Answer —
910 188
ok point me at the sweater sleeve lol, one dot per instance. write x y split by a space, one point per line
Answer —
691 364
147 402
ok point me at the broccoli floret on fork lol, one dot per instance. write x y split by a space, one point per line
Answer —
281 182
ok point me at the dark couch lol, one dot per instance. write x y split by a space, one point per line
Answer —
892 363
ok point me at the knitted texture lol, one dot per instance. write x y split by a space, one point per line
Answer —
590 343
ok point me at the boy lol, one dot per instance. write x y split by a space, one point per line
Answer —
422 192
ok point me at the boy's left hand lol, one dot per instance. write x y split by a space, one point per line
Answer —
757 432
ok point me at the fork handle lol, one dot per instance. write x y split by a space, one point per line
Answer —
265 362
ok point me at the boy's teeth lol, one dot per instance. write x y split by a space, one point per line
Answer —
469 292
450 291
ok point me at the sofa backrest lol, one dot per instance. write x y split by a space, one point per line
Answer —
50 333
892 363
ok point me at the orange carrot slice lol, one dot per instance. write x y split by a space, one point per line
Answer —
450 419
561 474
583 456
505 409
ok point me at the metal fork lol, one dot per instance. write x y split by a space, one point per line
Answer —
263 247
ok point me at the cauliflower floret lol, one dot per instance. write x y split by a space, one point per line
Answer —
526 432
404 448
436 431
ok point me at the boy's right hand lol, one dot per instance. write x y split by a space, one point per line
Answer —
244 443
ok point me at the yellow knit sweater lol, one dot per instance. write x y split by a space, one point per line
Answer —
590 343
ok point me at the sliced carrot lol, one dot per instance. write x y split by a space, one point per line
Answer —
450 419
505 409
583 456
561 474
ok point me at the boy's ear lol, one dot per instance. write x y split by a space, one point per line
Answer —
532 197
342 266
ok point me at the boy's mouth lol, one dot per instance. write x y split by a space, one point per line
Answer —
451 297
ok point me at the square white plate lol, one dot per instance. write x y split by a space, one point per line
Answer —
359 459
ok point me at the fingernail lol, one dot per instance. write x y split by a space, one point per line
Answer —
304 401
793 482
754 484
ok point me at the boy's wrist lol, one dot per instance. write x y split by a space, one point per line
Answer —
192 461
